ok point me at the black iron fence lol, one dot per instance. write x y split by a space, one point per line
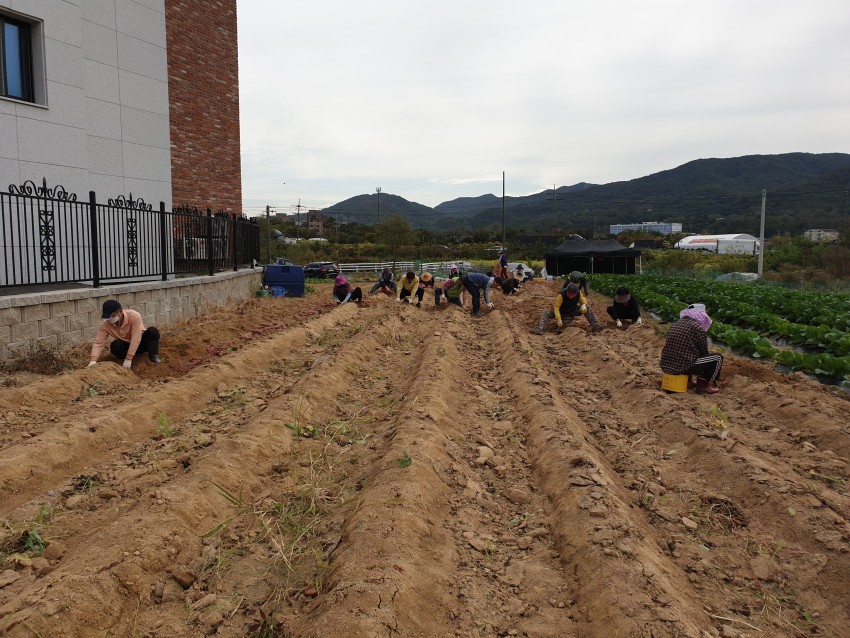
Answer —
48 236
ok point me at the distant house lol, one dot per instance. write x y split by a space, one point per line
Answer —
121 97
822 235
652 227
316 222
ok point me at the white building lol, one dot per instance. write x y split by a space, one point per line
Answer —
84 96
653 227
740 243
821 234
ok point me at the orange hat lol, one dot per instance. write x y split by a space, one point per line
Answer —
426 276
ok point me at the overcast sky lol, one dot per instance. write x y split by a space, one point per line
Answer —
432 99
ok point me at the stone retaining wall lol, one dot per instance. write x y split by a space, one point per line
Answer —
69 317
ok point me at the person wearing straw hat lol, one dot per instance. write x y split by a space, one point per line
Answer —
344 292
426 280
686 349
624 308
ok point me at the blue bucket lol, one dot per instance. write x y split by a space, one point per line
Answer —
278 291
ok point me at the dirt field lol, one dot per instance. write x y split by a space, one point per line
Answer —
294 468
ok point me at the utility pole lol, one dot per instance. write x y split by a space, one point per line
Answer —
553 210
378 190
268 233
503 210
761 231
297 219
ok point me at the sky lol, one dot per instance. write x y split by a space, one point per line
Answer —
433 100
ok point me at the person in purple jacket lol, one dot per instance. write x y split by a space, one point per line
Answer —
475 283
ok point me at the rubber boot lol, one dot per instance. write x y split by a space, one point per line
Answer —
595 324
153 352
705 387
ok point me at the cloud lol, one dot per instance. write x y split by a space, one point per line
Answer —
481 179
337 97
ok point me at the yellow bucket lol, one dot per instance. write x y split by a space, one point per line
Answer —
674 382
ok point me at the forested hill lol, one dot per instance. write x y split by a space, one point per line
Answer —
709 195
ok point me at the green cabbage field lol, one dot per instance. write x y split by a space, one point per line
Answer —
799 329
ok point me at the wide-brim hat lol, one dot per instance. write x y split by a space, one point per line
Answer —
340 280
426 276
622 295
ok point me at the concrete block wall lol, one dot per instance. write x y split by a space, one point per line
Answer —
69 317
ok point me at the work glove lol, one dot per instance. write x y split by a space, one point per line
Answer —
639 321
398 300
619 323
583 308
410 300
91 363
490 304
128 363
560 323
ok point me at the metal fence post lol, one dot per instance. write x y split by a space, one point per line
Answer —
236 227
95 240
210 261
163 252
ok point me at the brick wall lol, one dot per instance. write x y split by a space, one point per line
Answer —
68 317
203 92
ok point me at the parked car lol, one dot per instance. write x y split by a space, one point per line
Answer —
321 269
527 271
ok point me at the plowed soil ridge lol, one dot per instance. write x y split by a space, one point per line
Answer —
391 471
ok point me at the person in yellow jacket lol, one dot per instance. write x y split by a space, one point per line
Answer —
409 289
569 304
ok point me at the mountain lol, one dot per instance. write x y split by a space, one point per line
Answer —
804 190
364 209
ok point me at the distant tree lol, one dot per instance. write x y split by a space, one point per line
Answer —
395 233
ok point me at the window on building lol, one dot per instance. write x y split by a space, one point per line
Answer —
16 68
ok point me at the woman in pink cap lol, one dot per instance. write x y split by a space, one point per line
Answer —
686 349
344 291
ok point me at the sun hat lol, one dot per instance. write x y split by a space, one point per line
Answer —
109 307
571 290
426 277
340 280
622 295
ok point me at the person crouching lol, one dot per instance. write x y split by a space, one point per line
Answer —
624 308
569 304
344 292
409 289
130 337
686 349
